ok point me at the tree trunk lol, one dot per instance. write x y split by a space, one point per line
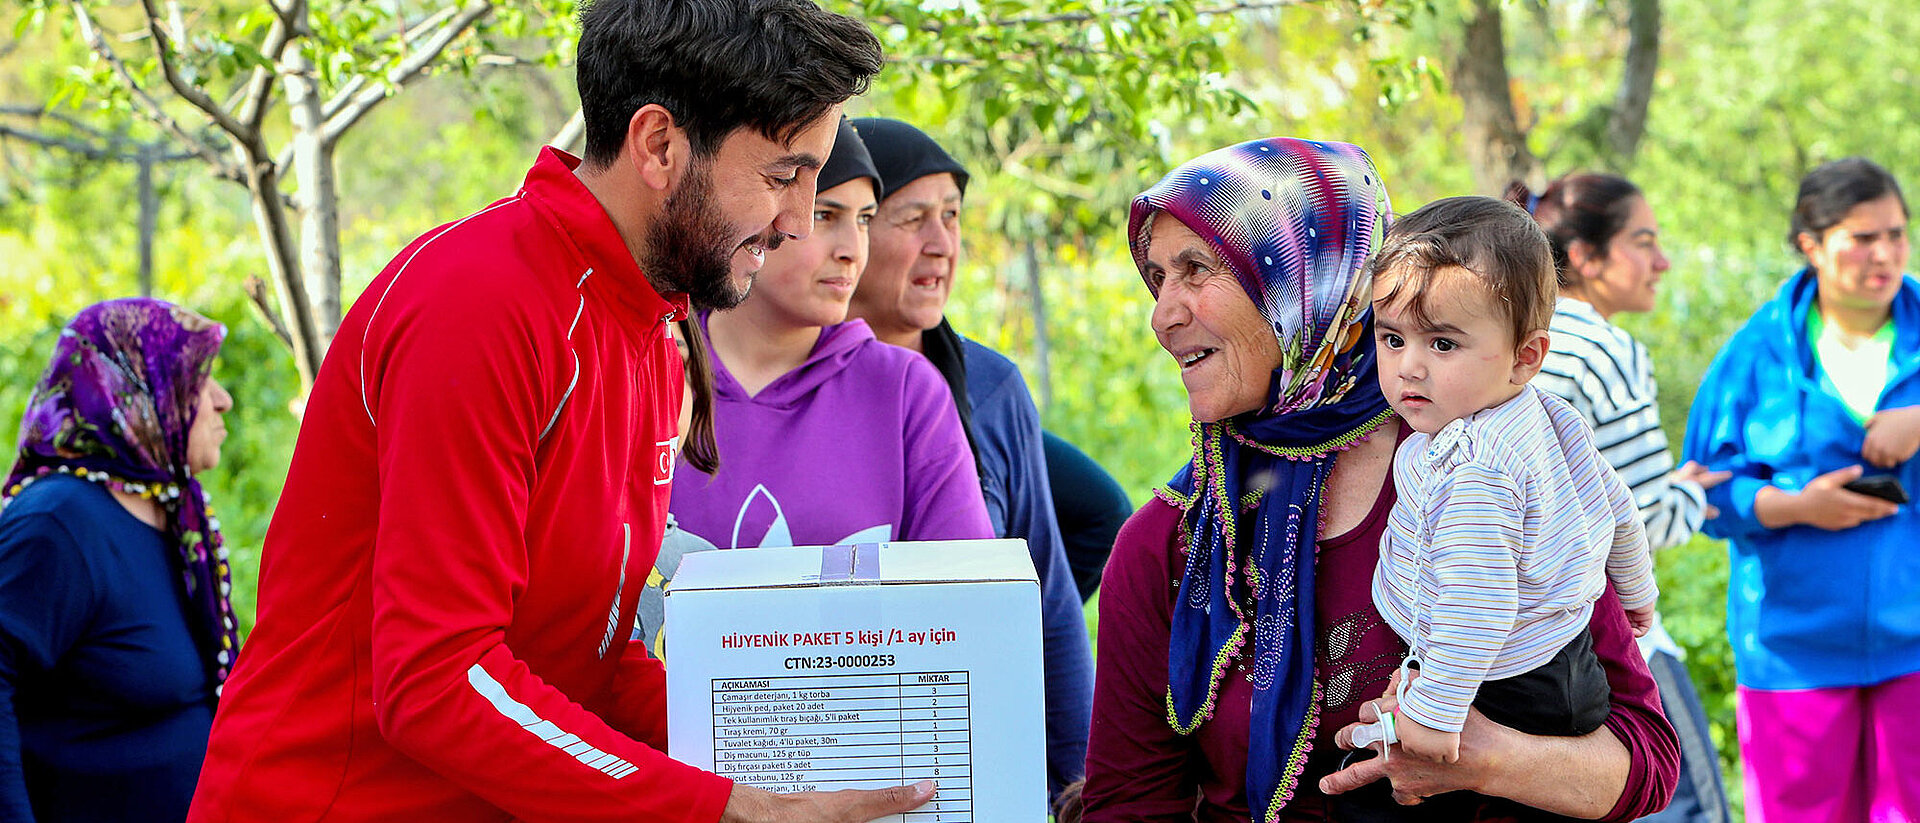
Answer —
1039 325
1496 145
1628 122
283 261
149 215
319 197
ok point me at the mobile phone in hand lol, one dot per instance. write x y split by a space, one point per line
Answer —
1884 486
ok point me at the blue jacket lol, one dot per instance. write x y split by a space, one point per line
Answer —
1807 608
1013 475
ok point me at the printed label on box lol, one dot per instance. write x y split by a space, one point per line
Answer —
864 679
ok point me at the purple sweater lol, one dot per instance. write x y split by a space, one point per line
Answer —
860 444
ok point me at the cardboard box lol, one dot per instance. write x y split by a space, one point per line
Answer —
862 667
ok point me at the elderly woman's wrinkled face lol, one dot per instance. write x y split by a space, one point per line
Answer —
208 431
1203 318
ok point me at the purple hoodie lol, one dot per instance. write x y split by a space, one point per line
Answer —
860 444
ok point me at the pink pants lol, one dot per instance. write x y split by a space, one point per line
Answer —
1832 755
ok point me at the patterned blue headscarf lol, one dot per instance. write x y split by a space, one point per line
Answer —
1296 220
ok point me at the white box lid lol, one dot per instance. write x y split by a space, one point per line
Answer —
932 561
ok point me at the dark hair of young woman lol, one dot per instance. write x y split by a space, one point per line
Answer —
1578 208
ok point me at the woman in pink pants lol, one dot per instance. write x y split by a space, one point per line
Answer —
1814 407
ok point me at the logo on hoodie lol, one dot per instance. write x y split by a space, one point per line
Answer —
761 523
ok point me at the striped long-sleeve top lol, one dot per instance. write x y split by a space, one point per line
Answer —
1607 377
1508 526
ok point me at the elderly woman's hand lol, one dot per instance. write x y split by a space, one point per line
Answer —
1484 752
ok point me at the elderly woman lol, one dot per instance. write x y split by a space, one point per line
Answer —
115 627
1819 387
1237 633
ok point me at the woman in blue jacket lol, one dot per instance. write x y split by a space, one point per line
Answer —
1818 390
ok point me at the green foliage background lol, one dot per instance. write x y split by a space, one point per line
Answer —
1062 122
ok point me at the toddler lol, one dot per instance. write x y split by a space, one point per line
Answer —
1509 523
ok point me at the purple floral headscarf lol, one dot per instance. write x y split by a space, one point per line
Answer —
115 407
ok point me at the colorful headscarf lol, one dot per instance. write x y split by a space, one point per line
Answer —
115 407
1296 220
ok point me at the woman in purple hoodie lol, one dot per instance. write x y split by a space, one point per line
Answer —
825 434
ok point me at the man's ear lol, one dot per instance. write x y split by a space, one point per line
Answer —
657 147
1530 356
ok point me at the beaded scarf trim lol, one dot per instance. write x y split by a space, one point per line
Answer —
167 495
1296 760
1209 461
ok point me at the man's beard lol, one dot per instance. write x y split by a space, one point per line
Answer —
687 247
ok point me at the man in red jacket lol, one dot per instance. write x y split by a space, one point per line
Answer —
480 483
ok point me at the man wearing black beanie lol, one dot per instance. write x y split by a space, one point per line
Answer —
915 245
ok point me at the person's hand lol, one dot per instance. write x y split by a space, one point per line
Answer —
750 805
1695 473
1432 744
1892 436
1641 620
1484 748
1825 504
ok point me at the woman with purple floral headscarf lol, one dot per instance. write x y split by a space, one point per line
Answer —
1238 637
116 628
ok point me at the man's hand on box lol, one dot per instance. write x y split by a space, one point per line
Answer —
750 805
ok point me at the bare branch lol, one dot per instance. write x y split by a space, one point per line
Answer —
289 13
936 27
258 94
163 49
39 112
176 22
112 149
408 70
569 134
149 106
87 150
347 93
412 34
512 61
415 31
256 289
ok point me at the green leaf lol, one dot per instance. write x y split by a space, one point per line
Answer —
29 22
250 57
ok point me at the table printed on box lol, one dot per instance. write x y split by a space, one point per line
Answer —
863 667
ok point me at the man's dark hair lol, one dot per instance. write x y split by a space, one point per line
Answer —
1827 193
1493 240
775 66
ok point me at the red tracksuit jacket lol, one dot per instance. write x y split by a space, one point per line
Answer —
449 582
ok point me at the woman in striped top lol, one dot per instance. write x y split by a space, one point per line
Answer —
1606 246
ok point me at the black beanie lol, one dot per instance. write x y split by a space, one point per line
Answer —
849 161
903 154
